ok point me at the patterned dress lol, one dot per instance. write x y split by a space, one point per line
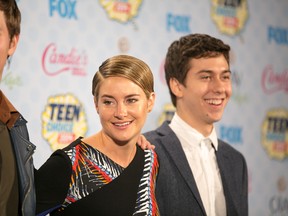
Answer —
99 186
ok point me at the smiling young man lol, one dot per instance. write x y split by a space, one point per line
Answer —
16 163
199 174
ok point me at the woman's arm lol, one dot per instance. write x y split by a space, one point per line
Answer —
52 182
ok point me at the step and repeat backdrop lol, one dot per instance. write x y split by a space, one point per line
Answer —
63 42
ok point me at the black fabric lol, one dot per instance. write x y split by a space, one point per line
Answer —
118 198
52 181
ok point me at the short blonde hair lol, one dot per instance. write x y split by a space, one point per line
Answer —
127 67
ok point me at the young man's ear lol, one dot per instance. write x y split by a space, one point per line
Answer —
13 45
176 87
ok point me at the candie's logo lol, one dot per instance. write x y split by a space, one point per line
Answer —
167 113
273 82
55 62
122 11
229 16
275 133
63 120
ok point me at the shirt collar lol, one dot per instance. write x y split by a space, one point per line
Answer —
185 130
214 139
8 113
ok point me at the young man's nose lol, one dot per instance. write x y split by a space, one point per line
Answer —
218 85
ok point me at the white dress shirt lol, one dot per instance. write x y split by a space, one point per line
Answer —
200 153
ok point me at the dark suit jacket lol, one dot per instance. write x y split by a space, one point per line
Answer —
176 190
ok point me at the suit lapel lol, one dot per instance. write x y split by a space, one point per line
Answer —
172 144
226 169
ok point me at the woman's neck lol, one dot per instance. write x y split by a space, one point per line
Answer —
121 154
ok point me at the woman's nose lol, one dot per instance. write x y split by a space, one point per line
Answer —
121 110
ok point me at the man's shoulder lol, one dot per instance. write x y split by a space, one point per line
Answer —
152 133
161 136
5 102
228 149
160 131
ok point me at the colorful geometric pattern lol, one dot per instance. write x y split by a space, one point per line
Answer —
147 184
92 169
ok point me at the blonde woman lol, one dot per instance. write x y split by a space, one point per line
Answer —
106 173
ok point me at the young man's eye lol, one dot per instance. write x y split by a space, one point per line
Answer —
205 77
226 77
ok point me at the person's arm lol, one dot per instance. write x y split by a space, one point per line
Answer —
52 182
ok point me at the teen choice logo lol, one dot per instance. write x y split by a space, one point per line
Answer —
229 15
167 114
275 133
63 120
121 11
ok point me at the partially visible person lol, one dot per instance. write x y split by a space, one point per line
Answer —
17 194
199 174
106 173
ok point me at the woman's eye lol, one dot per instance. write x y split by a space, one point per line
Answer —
106 102
132 100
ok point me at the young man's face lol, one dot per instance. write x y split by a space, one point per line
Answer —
7 46
201 101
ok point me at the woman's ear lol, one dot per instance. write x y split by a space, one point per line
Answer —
151 101
176 87
96 104
13 45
